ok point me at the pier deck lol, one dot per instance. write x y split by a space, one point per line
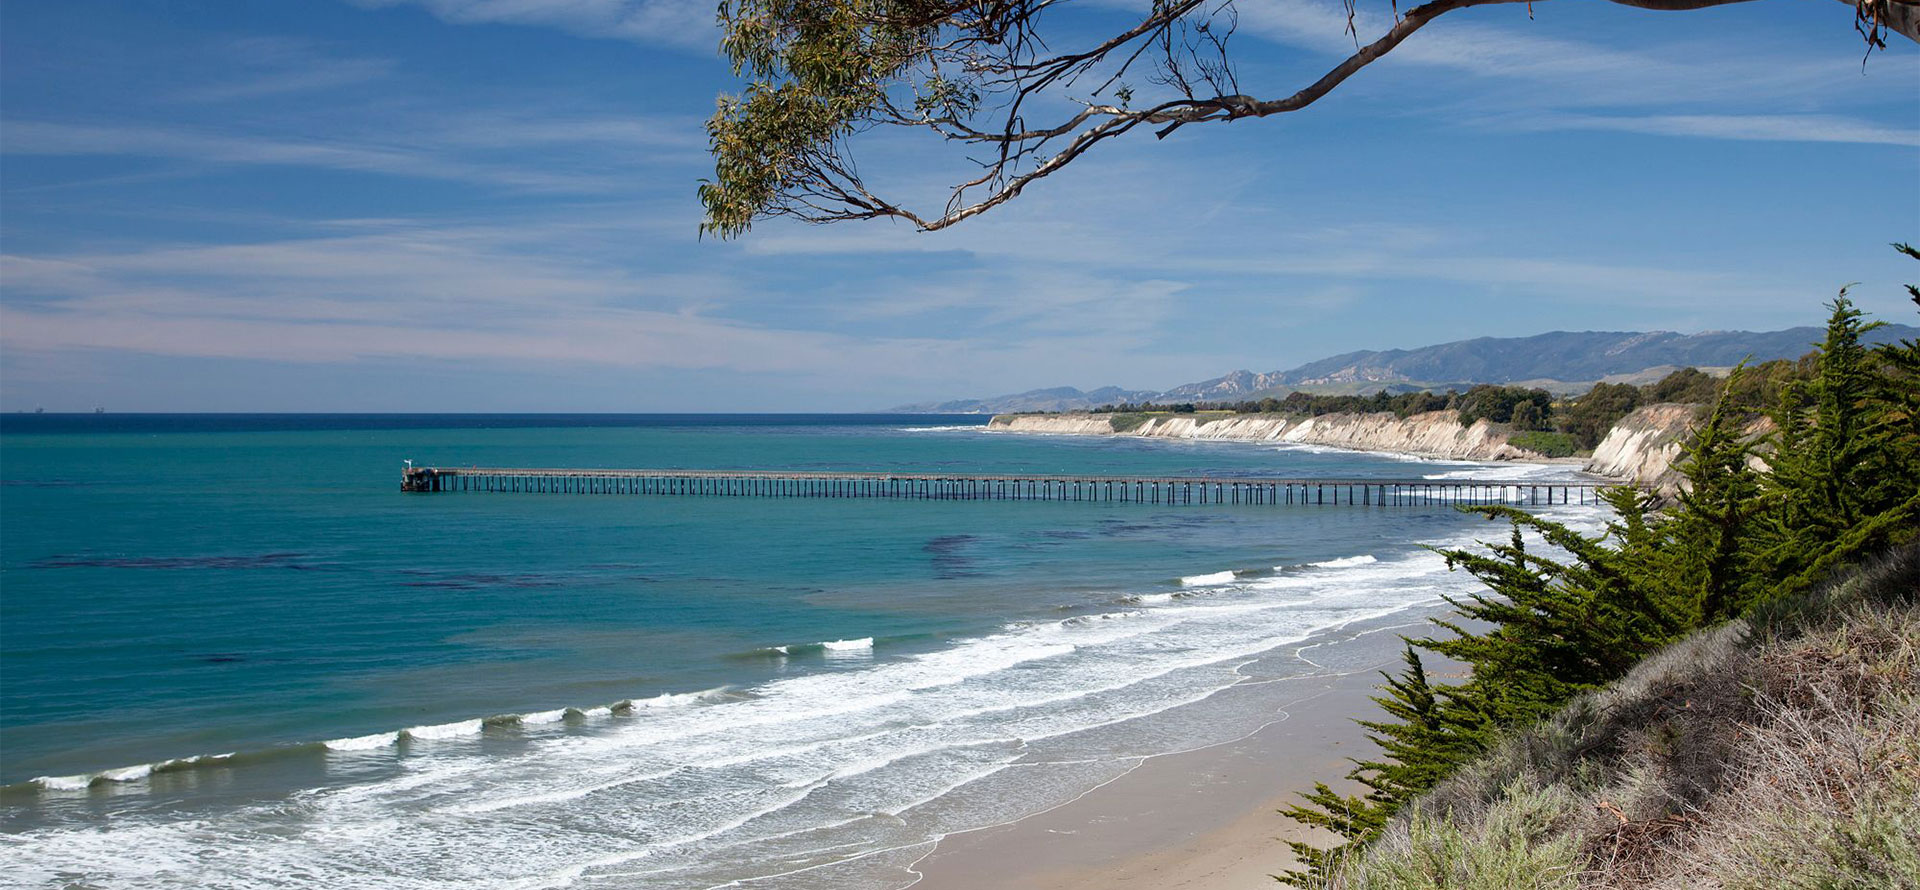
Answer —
1011 487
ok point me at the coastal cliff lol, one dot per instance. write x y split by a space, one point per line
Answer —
1435 434
1644 446
1641 447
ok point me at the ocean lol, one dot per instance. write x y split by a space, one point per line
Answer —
233 653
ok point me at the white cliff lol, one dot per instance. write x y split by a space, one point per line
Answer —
1435 434
1645 445
1642 447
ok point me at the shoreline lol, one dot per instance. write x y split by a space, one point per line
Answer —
1478 444
1200 818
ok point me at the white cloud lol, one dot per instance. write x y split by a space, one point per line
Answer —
1522 51
457 148
1739 87
498 297
1749 127
270 66
683 23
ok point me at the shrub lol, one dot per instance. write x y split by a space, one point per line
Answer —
1689 386
1561 621
1782 753
1498 403
1596 412
1541 442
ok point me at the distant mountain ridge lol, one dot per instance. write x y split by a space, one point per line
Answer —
1562 360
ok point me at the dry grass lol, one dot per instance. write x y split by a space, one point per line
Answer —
1785 753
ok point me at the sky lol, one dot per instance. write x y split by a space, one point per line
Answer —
489 205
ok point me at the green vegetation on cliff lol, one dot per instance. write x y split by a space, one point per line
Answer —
1781 751
1541 424
1563 621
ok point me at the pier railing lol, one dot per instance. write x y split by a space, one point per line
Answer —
1008 487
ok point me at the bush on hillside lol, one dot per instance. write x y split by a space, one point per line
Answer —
1589 418
1545 443
1498 403
1844 483
1688 386
1779 753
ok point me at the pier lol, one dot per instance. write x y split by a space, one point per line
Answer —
997 487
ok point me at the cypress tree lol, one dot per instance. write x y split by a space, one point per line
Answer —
1842 480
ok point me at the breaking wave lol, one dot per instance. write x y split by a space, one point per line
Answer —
834 767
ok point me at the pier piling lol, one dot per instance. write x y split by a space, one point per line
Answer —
1211 490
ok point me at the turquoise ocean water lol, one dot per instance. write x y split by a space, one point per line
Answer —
235 654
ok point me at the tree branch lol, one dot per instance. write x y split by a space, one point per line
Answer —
824 70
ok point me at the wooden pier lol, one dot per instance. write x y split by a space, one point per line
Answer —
971 486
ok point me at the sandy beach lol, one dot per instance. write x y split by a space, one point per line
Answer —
1205 818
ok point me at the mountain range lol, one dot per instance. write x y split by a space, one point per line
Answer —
1559 361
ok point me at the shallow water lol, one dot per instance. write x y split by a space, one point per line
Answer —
521 690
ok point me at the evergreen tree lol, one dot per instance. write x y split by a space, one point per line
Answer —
1842 480
1710 533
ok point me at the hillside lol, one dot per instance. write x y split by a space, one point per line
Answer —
1560 361
1777 751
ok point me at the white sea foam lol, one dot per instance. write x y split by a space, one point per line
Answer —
1207 579
1346 562
816 767
1083 620
674 699
64 783
1306 448
363 742
538 718
196 760
942 429
862 644
1511 471
128 773
444 730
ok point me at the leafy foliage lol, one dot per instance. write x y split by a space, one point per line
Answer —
1543 442
1540 424
1687 385
1498 404
1591 417
1564 613
1019 90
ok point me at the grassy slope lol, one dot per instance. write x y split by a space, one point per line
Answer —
1782 752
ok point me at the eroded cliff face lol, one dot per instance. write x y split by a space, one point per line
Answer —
1436 434
1645 445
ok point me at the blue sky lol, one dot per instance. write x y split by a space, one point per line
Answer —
488 205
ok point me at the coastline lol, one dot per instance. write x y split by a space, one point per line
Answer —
1202 818
1202 815
1641 448
1437 435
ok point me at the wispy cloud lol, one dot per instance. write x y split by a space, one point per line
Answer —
490 296
1747 127
682 23
1296 264
1517 66
1523 52
462 148
271 66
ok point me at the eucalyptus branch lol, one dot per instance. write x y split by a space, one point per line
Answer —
972 72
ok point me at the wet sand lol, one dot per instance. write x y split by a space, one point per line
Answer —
1198 819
